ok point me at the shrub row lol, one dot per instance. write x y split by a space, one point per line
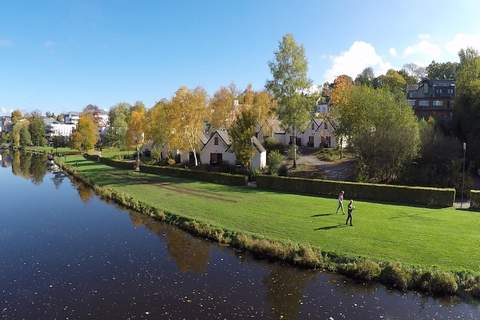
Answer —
475 199
433 197
392 274
214 177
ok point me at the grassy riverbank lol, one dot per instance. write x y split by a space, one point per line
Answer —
445 239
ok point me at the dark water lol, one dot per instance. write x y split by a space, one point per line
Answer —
66 254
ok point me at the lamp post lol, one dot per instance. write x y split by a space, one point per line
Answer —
463 171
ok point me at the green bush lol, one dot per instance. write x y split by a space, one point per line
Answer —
475 199
425 196
274 161
395 276
328 154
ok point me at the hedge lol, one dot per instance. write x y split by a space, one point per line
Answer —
214 177
433 197
475 199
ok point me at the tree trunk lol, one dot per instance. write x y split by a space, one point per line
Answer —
195 157
294 147
341 147
137 165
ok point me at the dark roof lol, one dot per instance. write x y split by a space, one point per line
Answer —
223 135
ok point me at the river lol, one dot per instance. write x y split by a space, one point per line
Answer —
67 254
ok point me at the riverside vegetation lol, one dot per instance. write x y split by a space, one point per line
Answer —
303 230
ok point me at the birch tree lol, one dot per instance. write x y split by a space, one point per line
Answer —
289 86
188 112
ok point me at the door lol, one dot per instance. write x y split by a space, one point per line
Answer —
310 141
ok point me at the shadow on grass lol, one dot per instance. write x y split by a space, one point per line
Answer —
330 227
322 215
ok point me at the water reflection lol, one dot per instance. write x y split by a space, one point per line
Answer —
285 290
68 254
190 254
28 165
84 192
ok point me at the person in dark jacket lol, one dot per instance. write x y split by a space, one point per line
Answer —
349 212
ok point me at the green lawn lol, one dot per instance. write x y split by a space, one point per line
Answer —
49 149
447 238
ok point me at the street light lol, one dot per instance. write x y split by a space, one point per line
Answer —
463 171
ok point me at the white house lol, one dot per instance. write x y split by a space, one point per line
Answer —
58 129
318 133
71 118
218 150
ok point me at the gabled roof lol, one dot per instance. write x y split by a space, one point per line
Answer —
223 134
258 145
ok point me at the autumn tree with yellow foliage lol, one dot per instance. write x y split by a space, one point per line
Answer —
85 136
136 129
188 112
222 107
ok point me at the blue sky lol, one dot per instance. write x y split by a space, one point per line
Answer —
58 55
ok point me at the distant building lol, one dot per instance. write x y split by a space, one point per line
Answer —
71 118
432 98
5 124
54 128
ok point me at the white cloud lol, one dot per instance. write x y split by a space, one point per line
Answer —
358 57
5 43
393 52
462 41
423 52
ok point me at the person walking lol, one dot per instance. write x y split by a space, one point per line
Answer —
340 202
349 212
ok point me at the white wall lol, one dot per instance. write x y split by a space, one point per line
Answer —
259 160
210 147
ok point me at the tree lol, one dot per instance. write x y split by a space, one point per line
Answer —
188 115
37 130
16 116
262 105
85 136
116 135
392 81
467 103
20 134
434 168
413 73
136 129
442 71
158 126
365 78
289 85
222 107
242 132
341 85
383 129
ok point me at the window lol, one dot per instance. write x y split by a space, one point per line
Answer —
437 103
215 141
313 126
423 103
411 102
325 126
